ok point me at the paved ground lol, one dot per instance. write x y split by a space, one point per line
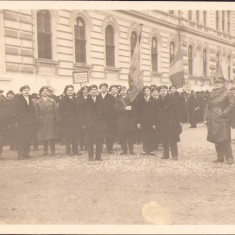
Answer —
121 189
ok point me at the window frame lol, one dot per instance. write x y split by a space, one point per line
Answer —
172 51
154 55
110 48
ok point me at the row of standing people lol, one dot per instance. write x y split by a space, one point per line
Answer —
95 118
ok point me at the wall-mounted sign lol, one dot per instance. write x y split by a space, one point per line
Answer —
80 77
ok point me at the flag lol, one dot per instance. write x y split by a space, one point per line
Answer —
176 73
135 79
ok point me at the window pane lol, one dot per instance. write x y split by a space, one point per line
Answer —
110 47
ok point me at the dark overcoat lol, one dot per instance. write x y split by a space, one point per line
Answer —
46 112
219 108
168 120
126 119
146 113
109 112
192 104
95 120
68 116
25 118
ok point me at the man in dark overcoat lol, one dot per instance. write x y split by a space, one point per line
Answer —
95 122
221 103
81 107
126 121
193 107
70 122
146 108
25 121
168 123
108 102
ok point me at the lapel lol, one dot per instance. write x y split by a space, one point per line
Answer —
24 100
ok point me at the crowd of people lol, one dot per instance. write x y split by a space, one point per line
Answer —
103 116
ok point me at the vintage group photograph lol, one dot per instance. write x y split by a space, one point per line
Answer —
117 116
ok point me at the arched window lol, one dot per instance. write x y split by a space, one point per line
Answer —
133 42
172 51
44 34
217 20
204 62
229 67
154 55
80 40
190 60
217 61
190 15
110 46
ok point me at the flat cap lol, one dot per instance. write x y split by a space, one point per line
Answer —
24 87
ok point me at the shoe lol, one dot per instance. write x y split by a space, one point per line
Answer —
229 160
218 160
175 158
123 153
110 152
165 157
132 153
99 159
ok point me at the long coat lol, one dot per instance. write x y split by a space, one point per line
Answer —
218 115
68 117
147 113
25 118
46 112
168 120
126 119
95 120
109 112
193 103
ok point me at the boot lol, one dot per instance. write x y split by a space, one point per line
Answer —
229 160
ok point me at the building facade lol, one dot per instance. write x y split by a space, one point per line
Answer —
60 47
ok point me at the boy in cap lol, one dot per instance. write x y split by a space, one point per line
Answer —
108 103
95 121
168 122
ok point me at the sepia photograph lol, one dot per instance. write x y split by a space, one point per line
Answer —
117 113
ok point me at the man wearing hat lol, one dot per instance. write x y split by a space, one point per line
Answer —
70 122
11 130
25 120
126 121
108 102
168 123
146 119
221 103
95 121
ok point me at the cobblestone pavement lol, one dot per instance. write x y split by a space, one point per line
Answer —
121 189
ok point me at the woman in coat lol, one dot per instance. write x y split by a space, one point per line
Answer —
219 108
46 113
126 121
168 123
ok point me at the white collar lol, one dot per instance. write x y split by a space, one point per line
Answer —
103 95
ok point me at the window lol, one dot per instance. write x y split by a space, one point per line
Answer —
110 46
217 20
204 62
154 55
80 41
197 16
228 21
217 62
223 19
44 34
190 60
172 51
133 42
229 68
204 18
190 15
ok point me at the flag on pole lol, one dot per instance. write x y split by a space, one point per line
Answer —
135 79
176 72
